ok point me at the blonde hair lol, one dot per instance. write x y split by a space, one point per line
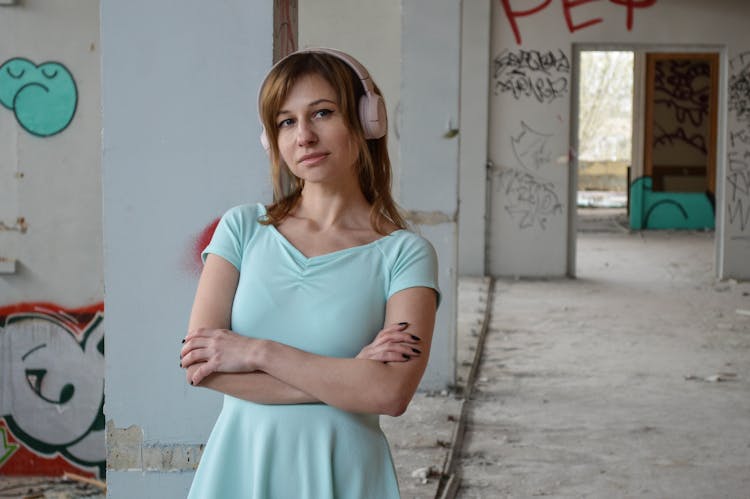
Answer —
373 163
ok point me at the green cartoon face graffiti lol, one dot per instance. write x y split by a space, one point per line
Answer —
43 97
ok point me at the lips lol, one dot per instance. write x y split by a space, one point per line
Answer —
312 159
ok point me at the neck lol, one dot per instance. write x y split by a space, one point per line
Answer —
329 207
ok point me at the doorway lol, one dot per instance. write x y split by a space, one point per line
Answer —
673 165
605 118
678 184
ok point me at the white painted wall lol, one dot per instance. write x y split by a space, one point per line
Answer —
430 74
50 177
180 129
529 238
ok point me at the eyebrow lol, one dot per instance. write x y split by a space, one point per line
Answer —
312 104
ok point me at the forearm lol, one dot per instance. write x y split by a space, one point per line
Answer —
256 387
354 385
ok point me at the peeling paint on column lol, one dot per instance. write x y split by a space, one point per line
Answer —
127 452
429 217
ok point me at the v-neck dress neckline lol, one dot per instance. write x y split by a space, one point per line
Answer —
299 255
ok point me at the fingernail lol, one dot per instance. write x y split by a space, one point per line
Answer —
416 338
183 340
406 356
403 324
415 350
181 362
191 382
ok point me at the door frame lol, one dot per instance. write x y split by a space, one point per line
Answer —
638 109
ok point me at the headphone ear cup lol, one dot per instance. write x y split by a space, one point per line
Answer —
264 140
372 116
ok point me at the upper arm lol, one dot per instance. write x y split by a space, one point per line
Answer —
416 306
212 307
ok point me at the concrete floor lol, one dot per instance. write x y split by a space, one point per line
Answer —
632 380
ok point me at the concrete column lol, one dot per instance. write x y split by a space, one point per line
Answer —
430 50
475 67
180 146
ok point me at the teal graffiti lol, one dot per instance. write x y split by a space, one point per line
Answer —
668 210
43 98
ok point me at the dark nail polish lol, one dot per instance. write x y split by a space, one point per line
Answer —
183 341
415 350
403 323
416 338
181 362
191 382
406 356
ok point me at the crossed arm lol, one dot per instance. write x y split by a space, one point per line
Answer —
381 379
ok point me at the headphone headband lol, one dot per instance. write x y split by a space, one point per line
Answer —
372 114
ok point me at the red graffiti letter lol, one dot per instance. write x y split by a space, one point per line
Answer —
513 14
569 4
633 4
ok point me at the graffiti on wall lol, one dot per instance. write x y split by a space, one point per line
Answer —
542 75
682 93
738 189
582 20
530 147
668 210
43 98
529 199
192 262
739 87
52 394
738 164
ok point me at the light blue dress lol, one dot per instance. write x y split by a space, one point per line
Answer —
333 305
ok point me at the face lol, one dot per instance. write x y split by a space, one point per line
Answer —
313 136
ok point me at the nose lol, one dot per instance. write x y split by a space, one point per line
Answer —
306 134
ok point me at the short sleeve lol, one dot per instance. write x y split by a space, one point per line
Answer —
415 265
231 232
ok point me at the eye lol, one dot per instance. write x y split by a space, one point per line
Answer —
49 74
285 123
322 113
18 76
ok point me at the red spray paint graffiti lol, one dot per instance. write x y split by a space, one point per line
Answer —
52 393
193 263
567 10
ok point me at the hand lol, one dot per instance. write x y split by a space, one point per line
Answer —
392 344
206 351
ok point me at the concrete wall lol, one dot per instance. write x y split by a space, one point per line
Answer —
530 116
180 146
51 333
421 95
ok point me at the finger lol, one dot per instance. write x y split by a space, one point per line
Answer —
193 344
403 348
395 357
200 373
395 337
194 357
392 352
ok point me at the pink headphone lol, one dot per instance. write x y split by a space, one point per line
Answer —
372 113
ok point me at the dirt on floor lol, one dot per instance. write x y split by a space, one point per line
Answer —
632 380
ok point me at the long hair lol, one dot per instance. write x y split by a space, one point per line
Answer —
373 163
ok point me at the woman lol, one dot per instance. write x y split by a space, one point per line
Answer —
315 314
